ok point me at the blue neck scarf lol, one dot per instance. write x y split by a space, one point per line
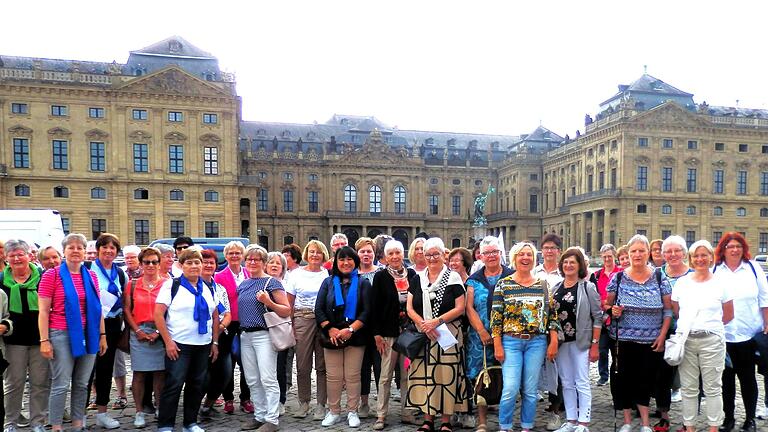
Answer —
202 314
220 306
112 288
79 343
350 308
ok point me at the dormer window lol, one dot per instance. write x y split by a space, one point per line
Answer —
174 47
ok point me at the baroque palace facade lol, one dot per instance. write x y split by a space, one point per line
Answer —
156 148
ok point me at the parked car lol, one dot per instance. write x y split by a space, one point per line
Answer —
763 261
214 244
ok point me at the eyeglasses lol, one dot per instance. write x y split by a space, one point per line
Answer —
178 248
550 248
150 262
253 260
19 256
490 253
734 246
433 256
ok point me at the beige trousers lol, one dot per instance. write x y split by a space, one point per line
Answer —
308 343
343 371
703 356
25 360
389 361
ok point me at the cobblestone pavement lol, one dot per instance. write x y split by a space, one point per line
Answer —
602 415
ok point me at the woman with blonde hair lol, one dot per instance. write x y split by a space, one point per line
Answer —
302 289
416 254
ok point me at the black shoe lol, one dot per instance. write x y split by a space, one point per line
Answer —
728 425
749 426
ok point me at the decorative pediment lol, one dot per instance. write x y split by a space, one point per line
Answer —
375 152
667 160
642 159
673 114
139 136
719 164
58 132
562 183
20 130
600 166
692 161
590 169
211 139
613 162
743 164
96 134
174 81
763 166
175 136
572 182
534 190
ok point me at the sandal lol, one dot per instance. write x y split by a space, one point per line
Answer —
380 424
120 403
428 426
446 427
482 427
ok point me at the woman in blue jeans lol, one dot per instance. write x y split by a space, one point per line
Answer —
521 317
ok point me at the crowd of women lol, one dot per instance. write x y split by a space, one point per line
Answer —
357 310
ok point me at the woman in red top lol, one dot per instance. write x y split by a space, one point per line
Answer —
147 354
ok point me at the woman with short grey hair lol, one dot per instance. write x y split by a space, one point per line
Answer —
22 348
69 338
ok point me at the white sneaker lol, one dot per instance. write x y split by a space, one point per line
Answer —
104 420
331 419
353 420
567 427
282 409
468 421
193 428
762 412
553 421
139 421
646 429
626 428
581 428
676 396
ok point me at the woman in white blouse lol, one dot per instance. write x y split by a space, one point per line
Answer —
702 304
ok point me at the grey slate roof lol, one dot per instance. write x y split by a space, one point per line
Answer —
738 112
58 65
647 92
174 46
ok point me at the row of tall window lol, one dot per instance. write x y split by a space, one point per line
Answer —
374 198
141 229
98 157
100 113
98 192
666 209
669 143
691 183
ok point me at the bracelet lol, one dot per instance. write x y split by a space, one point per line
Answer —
44 340
216 343
102 334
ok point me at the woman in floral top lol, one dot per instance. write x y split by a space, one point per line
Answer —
520 319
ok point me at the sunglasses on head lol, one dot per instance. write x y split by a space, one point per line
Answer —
181 247
151 262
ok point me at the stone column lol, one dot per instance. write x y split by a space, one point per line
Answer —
594 246
253 212
583 231
572 228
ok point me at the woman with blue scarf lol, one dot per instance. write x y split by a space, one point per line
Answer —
341 310
188 321
71 330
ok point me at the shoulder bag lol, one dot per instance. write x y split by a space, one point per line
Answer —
124 343
488 384
411 342
280 329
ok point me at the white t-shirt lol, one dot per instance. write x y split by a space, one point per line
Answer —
181 311
553 278
701 304
749 294
305 285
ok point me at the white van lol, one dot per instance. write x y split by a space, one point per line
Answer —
41 226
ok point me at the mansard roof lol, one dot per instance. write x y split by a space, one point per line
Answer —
174 46
648 92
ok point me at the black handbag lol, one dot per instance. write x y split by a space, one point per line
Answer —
411 342
488 384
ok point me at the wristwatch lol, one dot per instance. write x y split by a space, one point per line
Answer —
351 330
594 341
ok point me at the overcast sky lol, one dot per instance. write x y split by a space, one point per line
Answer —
485 67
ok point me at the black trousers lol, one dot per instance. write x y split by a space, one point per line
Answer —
282 377
744 361
633 381
371 361
190 372
229 388
102 370
664 377
220 371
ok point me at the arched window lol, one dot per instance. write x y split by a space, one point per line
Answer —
140 194
741 211
61 192
98 193
177 195
350 198
690 210
211 196
717 211
374 199
400 196
21 190
666 209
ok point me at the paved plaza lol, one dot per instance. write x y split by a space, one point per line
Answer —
602 415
